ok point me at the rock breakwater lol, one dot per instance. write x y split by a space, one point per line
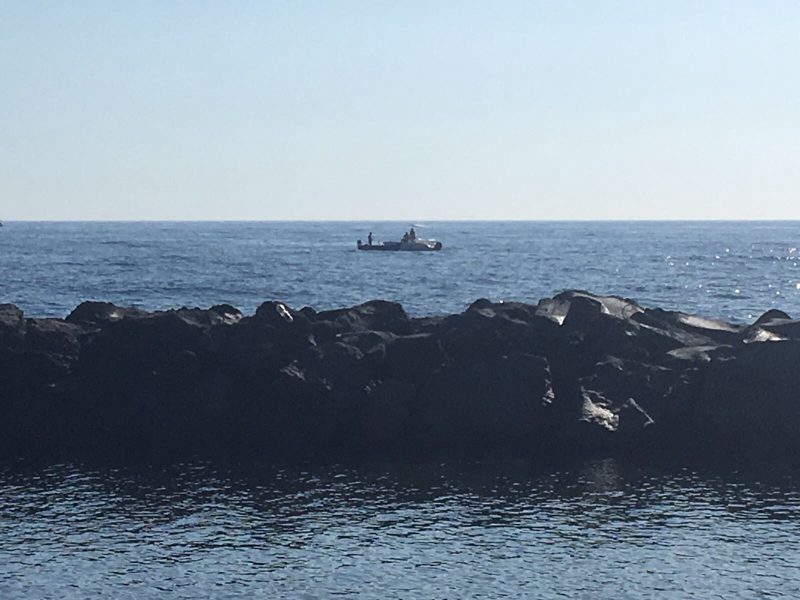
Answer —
577 374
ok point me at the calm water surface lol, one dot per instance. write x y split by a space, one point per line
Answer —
729 270
595 529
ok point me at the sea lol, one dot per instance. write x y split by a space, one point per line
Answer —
598 528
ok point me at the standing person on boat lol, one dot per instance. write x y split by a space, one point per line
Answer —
412 235
369 239
405 237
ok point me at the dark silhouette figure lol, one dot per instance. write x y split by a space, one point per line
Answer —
369 239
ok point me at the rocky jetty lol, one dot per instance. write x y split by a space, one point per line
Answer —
574 374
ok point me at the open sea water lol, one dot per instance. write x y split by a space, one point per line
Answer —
732 270
602 528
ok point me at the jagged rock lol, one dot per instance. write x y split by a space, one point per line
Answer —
12 327
275 313
575 373
95 313
375 315
494 329
782 329
11 317
689 330
771 315
52 336
229 314
651 386
773 326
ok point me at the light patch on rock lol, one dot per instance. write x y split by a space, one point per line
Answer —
557 308
704 323
598 414
284 313
762 335
693 353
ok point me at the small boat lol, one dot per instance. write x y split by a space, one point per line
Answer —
415 245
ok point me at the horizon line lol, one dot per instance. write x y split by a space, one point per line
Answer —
599 220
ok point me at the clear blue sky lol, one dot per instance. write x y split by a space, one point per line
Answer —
400 110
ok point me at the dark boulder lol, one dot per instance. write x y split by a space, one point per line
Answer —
375 315
495 329
12 327
413 358
781 329
96 313
11 318
275 313
229 314
748 400
500 401
772 315
53 336
369 342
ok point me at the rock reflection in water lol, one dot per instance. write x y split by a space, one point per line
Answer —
602 528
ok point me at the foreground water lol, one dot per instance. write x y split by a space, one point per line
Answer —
599 529
733 270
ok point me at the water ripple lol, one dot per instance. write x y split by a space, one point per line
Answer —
599 529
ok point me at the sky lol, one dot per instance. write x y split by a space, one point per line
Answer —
399 110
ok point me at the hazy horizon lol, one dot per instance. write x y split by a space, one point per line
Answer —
532 111
406 221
